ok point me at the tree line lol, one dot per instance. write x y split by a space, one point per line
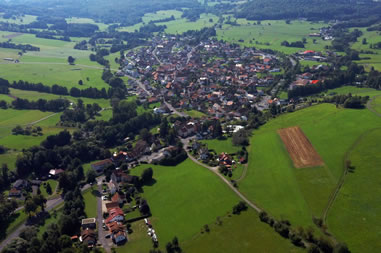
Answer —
24 47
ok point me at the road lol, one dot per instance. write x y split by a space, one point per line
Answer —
154 55
293 62
101 232
50 204
181 114
215 171
140 85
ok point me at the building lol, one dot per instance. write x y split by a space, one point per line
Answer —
89 223
55 173
115 214
88 237
20 184
100 166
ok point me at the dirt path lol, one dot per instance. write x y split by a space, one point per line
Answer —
370 107
244 172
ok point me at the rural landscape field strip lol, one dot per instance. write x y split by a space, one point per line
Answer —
300 148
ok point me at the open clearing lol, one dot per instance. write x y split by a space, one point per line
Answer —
285 192
300 148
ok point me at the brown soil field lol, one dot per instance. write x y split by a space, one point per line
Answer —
300 148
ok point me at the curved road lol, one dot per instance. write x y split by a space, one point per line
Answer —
215 171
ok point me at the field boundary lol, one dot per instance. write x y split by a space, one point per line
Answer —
370 107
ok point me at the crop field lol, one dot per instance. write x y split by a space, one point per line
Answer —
354 216
299 148
239 233
299 194
173 195
272 33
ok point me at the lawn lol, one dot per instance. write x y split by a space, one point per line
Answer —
54 216
182 25
91 202
9 159
184 198
53 184
354 91
17 219
273 32
222 145
354 217
239 233
195 114
299 194
138 241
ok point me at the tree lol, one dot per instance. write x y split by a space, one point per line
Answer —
71 60
30 207
164 128
240 138
80 82
147 175
40 200
91 176
48 189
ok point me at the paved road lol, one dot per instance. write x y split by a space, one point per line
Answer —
215 171
154 55
140 85
101 232
181 114
50 204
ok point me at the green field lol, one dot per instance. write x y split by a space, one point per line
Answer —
53 184
90 202
49 65
222 146
184 198
138 241
20 20
354 217
354 91
299 194
240 233
273 32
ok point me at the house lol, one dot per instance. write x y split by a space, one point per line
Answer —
112 187
20 184
115 214
89 223
14 193
99 167
117 199
111 205
118 176
55 173
204 153
88 237
118 232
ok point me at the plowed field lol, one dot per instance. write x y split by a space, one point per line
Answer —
300 148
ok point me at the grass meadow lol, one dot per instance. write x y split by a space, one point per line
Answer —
354 216
376 103
299 194
239 233
184 198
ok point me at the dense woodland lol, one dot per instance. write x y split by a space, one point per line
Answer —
309 9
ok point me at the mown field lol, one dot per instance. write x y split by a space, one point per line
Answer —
354 217
273 32
299 194
239 233
184 198
90 202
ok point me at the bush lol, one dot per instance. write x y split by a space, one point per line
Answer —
241 206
